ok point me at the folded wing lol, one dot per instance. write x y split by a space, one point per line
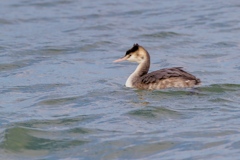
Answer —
165 73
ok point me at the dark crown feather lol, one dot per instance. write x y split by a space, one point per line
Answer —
133 49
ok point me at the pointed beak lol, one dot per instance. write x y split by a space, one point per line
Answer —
121 59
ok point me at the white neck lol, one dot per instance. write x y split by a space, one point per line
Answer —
141 70
132 78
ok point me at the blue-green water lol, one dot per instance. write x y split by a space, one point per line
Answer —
61 97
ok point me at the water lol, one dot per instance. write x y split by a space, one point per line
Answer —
61 97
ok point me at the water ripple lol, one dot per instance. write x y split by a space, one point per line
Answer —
155 113
21 139
161 35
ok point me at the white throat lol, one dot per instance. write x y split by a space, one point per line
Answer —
135 75
130 80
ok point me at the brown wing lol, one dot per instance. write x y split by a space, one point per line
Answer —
167 73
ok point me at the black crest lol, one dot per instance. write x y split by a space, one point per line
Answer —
133 49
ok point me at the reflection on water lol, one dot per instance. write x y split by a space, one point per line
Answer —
61 97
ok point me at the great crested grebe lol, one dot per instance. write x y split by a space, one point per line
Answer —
160 79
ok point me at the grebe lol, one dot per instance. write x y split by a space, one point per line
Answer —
160 79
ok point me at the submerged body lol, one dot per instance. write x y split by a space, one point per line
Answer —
160 79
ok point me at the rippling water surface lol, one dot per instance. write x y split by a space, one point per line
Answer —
61 97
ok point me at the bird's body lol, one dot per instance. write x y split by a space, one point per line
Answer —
160 79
